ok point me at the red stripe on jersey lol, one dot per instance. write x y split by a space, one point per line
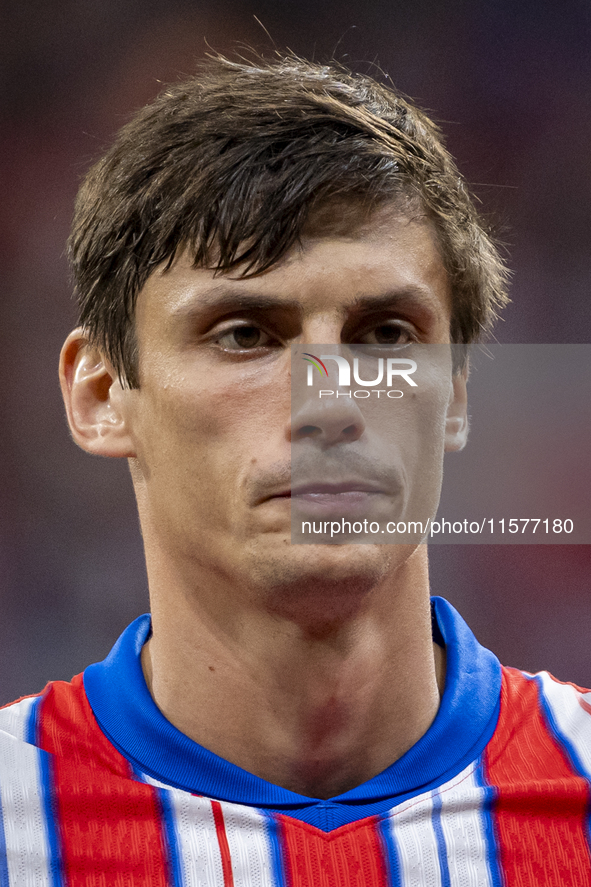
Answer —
67 728
541 809
220 828
109 825
351 856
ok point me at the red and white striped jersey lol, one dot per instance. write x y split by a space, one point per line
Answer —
98 788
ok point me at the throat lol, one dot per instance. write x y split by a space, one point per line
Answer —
316 715
336 742
330 756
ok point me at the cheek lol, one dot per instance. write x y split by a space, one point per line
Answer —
202 432
416 439
413 424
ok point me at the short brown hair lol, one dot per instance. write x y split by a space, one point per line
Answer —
229 163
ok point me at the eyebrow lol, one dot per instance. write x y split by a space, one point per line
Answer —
222 301
225 299
416 297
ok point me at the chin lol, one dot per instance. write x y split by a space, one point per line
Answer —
324 582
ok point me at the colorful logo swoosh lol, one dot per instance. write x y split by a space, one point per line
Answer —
315 361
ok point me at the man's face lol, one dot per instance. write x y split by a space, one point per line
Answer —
211 423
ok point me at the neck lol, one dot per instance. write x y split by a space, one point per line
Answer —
315 706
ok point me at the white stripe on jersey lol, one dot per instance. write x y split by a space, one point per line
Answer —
150 780
415 842
14 719
250 850
462 824
198 850
463 829
21 801
247 834
572 721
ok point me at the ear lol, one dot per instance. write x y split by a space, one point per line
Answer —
96 403
456 422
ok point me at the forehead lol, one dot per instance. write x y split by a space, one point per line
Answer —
343 259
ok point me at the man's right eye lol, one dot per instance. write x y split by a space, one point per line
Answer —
244 337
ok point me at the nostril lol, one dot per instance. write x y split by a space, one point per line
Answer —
308 431
350 430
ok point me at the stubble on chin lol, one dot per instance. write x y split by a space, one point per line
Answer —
322 584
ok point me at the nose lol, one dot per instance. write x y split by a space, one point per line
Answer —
328 420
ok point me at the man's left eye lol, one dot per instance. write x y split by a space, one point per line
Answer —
387 334
244 338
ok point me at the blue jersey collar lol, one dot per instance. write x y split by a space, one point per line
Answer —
466 719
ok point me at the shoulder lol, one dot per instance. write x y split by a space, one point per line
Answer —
17 719
59 721
545 722
43 717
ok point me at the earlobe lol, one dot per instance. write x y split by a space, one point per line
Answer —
94 399
456 422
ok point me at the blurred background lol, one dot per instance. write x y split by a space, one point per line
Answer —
511 85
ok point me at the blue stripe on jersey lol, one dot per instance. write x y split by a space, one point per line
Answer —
51 819
31 728
563 741
274 849
492 845
170 837
439 837
4 882
390 851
